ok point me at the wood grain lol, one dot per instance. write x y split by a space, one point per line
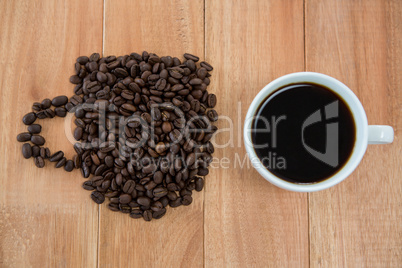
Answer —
46 220
248 221
166 28
358 222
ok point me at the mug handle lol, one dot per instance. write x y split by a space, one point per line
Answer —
378 134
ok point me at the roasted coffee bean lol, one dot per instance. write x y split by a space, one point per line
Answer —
36 107
199 184
191 57
26 150
39 162
212 115
211 100
24 136
29 118
206 65
97 197
59 101
77 161
35 151
37 140
136 213
34 129
60 111
46 103
69 166
147 215
56 156
159 214
144 201
61 163
186 200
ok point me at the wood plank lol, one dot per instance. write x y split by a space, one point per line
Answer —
358 222
46 219
165 28
248 221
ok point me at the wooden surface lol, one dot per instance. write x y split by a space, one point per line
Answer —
239 220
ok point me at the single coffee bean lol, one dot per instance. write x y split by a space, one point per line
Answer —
46 103
59 101
26 150
39 162
34 129
69 166
187 200
77 161
24 136
159 214
29 118
199 184
37 140
61 163
60 111
147 215
35 151
36 107
144 201
211 100
125 198
97 197
136 213
191 57
56 156
206 65
212 115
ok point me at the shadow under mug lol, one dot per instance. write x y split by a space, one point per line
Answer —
365 134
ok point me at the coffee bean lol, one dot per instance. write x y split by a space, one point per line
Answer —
199 184
147 215
56 156
125 198
26 150
69 166
191 57
159 214
46 103
59 101
35 151
24 136
212 115
77 161
211 100
144 201
97 197
39 162
206 65
136 213
37 140
29 118
60 111
61 163
34 129
187 200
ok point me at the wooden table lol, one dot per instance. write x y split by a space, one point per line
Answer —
239 220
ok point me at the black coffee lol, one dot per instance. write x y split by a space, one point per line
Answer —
303 133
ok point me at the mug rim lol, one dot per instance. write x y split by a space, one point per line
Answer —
359 118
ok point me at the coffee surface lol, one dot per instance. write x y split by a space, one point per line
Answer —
303 133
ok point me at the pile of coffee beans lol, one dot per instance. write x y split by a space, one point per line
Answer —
144 125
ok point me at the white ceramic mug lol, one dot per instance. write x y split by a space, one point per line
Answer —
365 134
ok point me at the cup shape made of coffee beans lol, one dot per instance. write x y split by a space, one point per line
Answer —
143 130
